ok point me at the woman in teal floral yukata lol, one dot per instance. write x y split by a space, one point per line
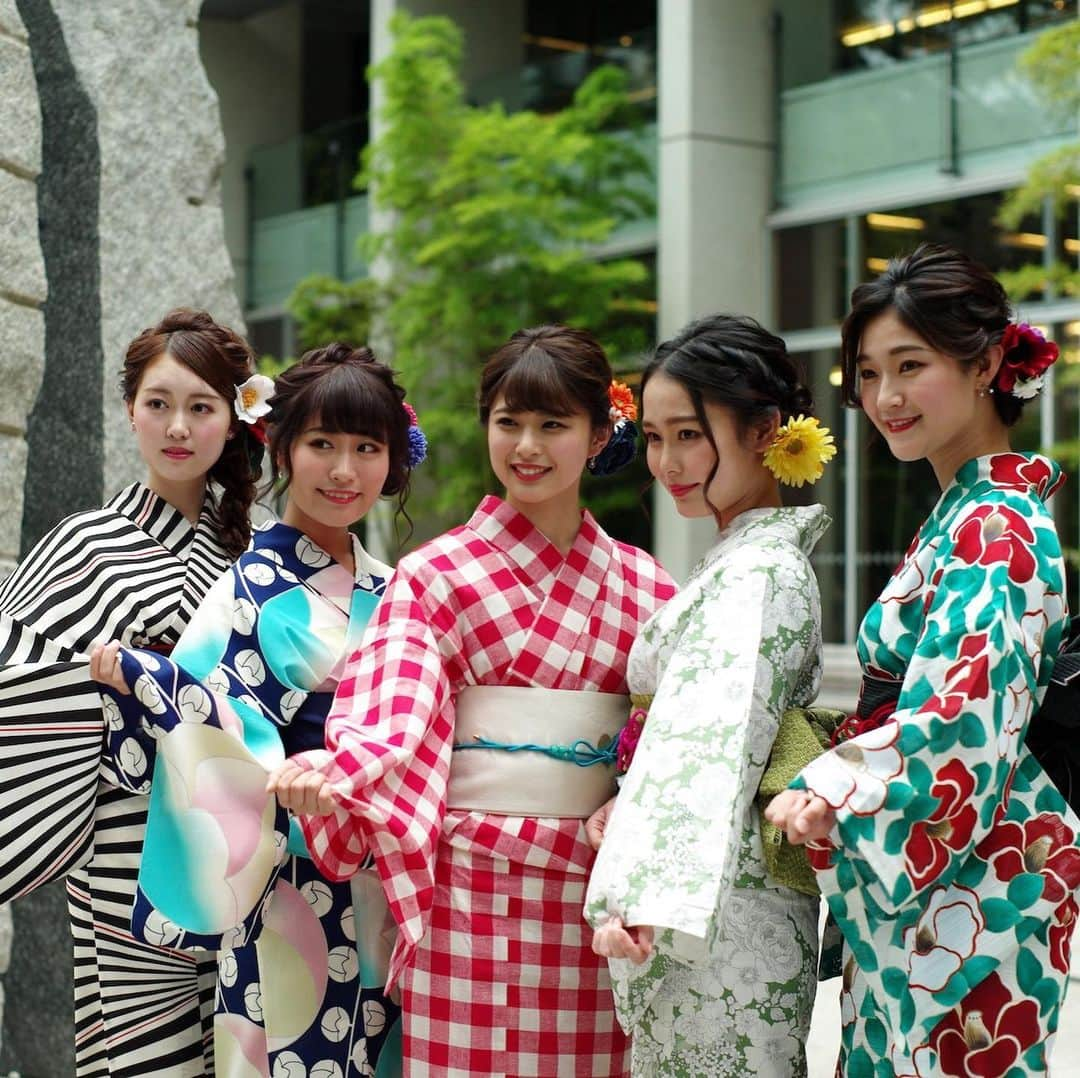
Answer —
948 858
722 955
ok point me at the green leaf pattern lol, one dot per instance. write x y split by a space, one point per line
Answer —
731 984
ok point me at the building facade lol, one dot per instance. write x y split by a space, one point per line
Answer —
798 145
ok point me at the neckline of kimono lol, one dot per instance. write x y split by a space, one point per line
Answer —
363 564
494 518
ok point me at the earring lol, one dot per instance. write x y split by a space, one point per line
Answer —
133 424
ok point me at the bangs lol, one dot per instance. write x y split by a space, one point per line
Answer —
346 400
534 384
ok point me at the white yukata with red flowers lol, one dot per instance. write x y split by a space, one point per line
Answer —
494 956
953 867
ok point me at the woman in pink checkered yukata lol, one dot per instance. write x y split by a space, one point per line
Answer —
472 736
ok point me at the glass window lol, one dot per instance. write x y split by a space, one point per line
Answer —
811 271
891 498
969 224
861 35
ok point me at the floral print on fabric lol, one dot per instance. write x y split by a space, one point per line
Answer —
731 983
954 862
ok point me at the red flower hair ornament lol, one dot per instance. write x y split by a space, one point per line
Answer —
1028 355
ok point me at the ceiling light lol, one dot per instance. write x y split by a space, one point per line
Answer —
894 222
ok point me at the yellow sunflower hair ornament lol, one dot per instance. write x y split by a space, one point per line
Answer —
800 451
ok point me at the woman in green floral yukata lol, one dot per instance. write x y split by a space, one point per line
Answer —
949 860
721 972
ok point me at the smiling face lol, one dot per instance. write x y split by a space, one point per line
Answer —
681 457
181 425
334 479
923 402
539 457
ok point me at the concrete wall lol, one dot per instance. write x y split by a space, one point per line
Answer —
22 290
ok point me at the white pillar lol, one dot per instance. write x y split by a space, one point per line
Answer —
716 155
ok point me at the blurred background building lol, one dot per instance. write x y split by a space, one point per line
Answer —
798 144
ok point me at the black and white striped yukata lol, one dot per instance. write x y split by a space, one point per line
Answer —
133 571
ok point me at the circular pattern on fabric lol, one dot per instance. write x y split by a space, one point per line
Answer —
318 896
244 615
310 554
253 1001
131 757
111 712
348 924
228 969
250 667
290 703
194 703
149 695
342 964
262 575
374 1017
335 1024
159 930
289 1065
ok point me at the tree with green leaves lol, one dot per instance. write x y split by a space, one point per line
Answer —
494 221
1051 64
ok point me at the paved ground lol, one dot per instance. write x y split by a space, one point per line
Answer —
825 1036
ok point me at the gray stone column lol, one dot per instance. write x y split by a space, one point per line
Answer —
129 217
22 290
717 146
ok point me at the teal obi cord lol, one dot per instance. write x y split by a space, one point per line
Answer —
581 753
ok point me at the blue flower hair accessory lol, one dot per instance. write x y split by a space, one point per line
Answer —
417 438
622 445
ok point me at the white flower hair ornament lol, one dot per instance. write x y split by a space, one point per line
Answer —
252 404
253 398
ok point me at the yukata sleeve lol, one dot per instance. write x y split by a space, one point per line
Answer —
214 838
671 847
389 739
51 718
916 795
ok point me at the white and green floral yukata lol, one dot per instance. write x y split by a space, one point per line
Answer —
952 870
730 986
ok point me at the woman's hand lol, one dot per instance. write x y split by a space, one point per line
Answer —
614 940
307 793
105 667
803 816
596 824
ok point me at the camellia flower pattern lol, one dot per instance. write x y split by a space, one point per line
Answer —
954 883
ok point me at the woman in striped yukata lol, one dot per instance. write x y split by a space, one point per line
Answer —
134 570
495 665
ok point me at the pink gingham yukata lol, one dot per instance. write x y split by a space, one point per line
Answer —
493 954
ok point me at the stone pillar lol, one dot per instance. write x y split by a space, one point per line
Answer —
716 151
128 208
22 290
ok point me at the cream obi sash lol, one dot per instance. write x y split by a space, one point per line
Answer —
534 752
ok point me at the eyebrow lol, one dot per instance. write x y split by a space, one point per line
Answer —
897 350
671 421
165 391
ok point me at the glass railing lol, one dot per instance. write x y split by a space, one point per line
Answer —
942 113
305 216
